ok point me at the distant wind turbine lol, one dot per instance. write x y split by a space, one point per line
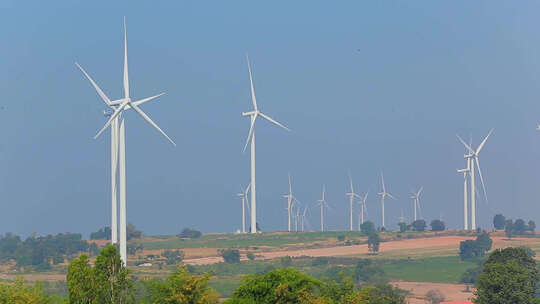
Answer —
118 141
290 201
251 139
384 194
351 196
472 157
416 201
322 203
363 208
244 197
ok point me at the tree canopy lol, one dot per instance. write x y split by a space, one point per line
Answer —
509 276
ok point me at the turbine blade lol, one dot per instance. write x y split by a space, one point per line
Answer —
465 144
290 185
250 131
483 142
481 178
253 99
139 102
391 196
126 77
150 121
382 181
113 116
350 182
98 89
273 121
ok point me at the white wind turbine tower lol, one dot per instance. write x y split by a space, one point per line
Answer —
466 173
290 199
322 203
363 208
118 141
416 201
473 158
351 196
251 139
244 197
384 194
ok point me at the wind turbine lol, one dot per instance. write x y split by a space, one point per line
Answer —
322 203
416 200
466 172
118 148
290 199
384 194
473 158
244 197
251 139
363 208
304 214
351 196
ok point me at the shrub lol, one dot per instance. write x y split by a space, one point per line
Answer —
437 225
250 256
173 256
230 255
435 296
188 233
419 225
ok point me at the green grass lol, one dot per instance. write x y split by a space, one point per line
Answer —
437 269
247 240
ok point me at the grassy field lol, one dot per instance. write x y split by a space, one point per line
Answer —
274 239
436 269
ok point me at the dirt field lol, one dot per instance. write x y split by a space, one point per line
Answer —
445 245
452 292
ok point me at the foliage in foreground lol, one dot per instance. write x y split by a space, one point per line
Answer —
20 292
180 287
509 276
288 285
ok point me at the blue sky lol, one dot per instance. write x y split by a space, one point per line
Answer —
364 86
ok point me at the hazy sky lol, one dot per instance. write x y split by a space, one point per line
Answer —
365 86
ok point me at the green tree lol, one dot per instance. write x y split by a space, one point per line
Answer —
181 287
499 221
230 255
373 242
402 227
106 283
520 227
509 276
475 248
419 225
286 285
80 279
437 225
101 234
367 227
132 232
434 296
250 256
189 233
